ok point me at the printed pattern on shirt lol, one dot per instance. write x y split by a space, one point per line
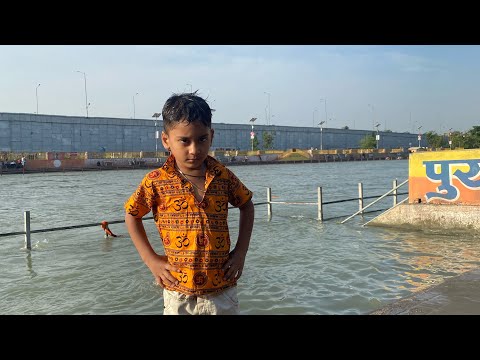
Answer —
194 234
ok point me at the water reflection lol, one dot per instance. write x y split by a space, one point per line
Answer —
107 244
29 265
427 259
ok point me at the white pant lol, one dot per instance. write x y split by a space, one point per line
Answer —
223 303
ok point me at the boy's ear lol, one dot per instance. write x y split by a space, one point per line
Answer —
165 141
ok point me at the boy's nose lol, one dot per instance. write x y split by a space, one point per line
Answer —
194 148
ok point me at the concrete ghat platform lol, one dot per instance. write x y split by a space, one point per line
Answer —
459 295
431 217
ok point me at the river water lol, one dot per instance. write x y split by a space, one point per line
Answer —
295 265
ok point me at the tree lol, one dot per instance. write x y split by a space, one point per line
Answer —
434 140
268 139
472 138
368 142
458 139
255 143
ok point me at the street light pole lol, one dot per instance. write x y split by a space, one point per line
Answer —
156 116
450 138
325 101
373 116
252 134
86 97
377 137
321 134
134 105
419 136
36 95
269 109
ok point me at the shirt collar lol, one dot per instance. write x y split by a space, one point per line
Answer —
211 163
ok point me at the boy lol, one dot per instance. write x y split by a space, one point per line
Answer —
189 198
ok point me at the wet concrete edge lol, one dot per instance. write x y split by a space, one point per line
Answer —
459 295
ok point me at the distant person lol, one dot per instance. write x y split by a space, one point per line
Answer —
23 161
107 230
189 197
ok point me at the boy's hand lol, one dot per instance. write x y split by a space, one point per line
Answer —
233 267
161 270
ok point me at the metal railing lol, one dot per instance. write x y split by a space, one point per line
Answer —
374 202
319 203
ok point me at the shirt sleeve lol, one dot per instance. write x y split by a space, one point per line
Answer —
238 193
140 203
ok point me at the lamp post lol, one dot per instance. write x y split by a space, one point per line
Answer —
252 134
156 116
269 109
86 98
325 101
191 89
321 134
377 137
134 105
419 136
36 96
373 115
450 138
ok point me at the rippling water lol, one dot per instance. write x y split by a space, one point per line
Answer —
295 265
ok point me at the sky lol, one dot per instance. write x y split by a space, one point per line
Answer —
401 87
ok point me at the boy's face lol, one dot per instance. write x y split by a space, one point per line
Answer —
189 143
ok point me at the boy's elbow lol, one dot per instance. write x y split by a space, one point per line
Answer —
248 206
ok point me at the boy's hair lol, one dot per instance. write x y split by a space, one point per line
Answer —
186 107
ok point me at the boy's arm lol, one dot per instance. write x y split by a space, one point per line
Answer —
157 264
233 267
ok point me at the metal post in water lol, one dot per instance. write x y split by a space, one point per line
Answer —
28 242
395 192
320 204
269 203
360 196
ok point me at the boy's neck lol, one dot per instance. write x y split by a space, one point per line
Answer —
192 172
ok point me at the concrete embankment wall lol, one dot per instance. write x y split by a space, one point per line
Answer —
432 217
20 132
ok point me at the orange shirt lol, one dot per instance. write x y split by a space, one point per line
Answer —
195 235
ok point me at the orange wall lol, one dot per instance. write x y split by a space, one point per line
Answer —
445 177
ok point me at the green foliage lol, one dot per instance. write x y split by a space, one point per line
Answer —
472 138
268 140
368 142
435 141
467 140
255 143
